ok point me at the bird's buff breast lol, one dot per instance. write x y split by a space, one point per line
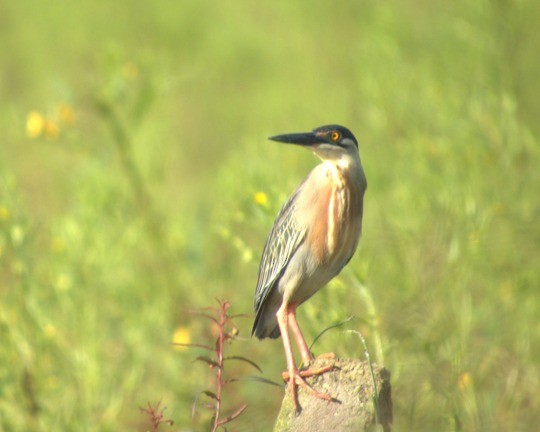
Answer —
337 216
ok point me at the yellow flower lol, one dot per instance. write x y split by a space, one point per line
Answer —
51 129
35 124
50 330
17 235
4 214
261 199
464 380
66 114
181 336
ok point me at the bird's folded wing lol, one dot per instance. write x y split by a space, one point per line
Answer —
284 239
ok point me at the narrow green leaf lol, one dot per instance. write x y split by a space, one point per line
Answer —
232 416
244 360
210 394
196 401
339 324
210 317
257 379
375 396
207 360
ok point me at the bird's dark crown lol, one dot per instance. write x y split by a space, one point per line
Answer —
335 134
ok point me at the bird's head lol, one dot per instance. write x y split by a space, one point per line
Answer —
328 142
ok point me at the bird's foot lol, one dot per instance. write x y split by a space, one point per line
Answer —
298 380
306 373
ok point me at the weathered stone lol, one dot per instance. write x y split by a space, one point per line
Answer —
351 384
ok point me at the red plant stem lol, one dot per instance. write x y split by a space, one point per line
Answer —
219 352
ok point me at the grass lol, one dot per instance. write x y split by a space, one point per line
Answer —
136 183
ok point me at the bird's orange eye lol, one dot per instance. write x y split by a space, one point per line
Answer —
334 136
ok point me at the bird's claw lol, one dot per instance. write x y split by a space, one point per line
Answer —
299 380
307 373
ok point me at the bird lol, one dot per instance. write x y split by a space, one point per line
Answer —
314 236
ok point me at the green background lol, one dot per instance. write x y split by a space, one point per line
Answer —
135 202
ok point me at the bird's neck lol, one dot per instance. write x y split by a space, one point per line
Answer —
344 164
346 171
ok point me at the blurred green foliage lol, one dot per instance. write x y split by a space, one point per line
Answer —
136 183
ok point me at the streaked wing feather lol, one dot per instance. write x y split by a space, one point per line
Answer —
284 239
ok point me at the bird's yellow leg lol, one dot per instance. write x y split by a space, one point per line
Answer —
307 357
297 333
293 375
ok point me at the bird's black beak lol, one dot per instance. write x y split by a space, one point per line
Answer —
305 139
